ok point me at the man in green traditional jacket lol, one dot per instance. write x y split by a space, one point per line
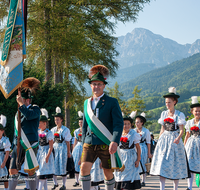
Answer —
107 110
30 117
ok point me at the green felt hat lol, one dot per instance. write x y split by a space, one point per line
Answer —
129 117
142 117
26 94
172 93
44 116
195 102
58 113
98 77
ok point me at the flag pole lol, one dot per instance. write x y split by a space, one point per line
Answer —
19 128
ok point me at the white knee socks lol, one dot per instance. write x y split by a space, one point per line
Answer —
77 177
143 177
190 181
176 184
162 183
41 184
55 180
64 178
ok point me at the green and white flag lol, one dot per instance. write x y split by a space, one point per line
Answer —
99 129
30 162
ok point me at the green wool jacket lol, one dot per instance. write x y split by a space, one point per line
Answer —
110 115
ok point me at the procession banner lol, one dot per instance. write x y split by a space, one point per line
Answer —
14 51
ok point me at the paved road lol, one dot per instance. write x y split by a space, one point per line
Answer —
152 183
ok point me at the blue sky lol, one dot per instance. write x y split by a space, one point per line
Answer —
178 20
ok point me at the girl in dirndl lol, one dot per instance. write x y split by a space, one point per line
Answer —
61 148
129 179
4 152
192 143
145 143
169 159
44 154
78 147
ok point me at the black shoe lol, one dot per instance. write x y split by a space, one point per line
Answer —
187 189
98 188
142 184
54 187
63 188
26 189
76 184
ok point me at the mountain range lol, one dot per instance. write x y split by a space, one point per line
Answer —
182 74
142 46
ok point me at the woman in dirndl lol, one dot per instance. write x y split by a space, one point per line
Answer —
129 179
145 144
78 147
192 143
4 152
44 154
169 160
61 148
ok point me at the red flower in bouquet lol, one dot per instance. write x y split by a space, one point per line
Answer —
170 120
124 139
56 134
42 135
194 128
80 135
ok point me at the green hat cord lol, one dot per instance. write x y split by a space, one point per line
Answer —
98 77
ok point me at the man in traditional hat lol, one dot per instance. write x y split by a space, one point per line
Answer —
101 131
30 117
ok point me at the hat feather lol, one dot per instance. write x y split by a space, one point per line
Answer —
44 112
58 110
80 113
31 83
122 114
99 68
3 120
133 114
143 114
172 90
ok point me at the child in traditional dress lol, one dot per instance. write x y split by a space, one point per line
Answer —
192 143
4 152
129 179
44 154
145 143
78 147
61 148
169 159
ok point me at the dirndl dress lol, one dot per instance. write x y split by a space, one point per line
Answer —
129 178
60 149
97 176
169 160
145 139
46 170
77 151
4 146
192 147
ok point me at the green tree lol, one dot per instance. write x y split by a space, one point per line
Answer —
136 103
65 38
115 93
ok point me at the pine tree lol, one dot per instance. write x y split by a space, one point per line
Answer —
136 103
